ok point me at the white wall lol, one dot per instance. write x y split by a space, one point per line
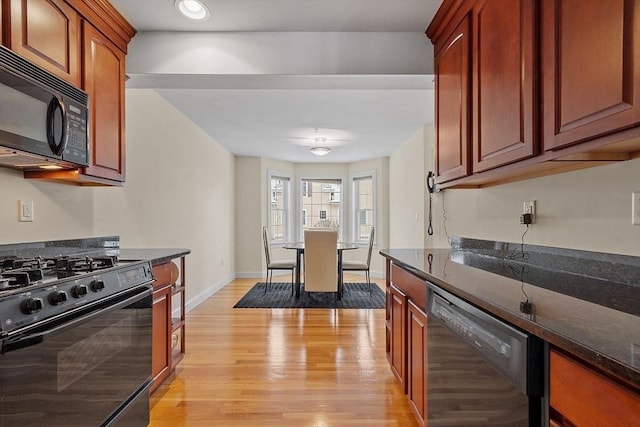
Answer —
60 211
279 53
406 193
179 193
588 209
248 225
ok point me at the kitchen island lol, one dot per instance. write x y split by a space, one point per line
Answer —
584 306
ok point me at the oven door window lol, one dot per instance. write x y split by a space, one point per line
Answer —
80 374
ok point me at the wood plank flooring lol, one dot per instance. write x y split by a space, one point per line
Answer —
281 367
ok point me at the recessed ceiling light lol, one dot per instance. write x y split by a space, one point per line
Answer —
192 9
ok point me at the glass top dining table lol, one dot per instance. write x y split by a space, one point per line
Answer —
299 248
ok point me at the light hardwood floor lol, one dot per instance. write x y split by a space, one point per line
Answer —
281 367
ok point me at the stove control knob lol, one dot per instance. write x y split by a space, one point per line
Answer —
57 297
97 285
78 291
31 305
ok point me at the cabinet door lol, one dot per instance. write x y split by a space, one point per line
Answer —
161 351
399 336
581 397
104 77
452 105
416 361
47 33
590 69
504 93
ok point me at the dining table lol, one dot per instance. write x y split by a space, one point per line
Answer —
299 248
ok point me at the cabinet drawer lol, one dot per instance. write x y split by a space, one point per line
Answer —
162 273
413 287
586 398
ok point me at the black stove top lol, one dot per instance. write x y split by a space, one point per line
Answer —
36 288
19 272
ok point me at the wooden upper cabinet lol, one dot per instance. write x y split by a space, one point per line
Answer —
452 69
504 90
590 69
104 78
47 32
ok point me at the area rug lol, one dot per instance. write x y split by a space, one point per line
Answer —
356 295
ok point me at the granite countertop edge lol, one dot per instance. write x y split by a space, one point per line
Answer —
598 360
154 255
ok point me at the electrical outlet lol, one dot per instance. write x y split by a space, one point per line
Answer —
530 208
25 210
635 208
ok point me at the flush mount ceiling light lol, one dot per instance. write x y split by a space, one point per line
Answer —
192 9
320 148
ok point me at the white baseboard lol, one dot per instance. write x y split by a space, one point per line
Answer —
199 299
251 275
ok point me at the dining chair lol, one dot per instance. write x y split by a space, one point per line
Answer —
361 265
320 261
275 265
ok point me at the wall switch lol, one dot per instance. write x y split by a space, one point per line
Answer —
25 210
530 208
635 208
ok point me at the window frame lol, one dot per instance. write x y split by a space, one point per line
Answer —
342 230
355 205
287 210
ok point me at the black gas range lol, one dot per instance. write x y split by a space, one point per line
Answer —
34 288
75 339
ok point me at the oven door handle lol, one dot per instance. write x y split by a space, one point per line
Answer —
28 340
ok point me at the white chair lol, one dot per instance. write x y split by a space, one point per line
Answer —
275 265
320 261
360 265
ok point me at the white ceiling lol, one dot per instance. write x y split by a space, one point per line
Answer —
365 109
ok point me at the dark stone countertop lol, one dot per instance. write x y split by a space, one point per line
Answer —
109 245
601 327
156 256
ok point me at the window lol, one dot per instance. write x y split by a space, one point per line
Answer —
320 204
363 205
306 189
279 207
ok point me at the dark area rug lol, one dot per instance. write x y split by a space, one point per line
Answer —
356 295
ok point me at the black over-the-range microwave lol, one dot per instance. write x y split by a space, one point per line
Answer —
43 119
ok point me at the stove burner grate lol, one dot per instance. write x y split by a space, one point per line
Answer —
18 272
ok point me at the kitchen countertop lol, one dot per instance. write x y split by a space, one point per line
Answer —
109 245
156 255
602 328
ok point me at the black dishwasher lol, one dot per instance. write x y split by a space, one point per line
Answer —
481 371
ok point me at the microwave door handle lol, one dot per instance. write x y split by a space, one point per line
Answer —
57 147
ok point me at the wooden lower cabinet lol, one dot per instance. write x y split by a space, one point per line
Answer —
416 361
398 359
580 396
161 354
168 332
406 336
